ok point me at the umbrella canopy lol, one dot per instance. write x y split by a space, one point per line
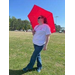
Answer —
36 12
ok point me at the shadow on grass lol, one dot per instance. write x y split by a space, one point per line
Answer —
19 72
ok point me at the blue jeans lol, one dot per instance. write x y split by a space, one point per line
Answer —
36 56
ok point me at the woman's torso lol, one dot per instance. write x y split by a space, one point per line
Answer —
39 37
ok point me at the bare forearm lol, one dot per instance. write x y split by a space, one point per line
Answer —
47 39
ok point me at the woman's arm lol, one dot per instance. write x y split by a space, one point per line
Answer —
33 32
47 40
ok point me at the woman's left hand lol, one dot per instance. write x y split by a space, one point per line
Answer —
45 47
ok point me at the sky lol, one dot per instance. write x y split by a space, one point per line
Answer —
21 8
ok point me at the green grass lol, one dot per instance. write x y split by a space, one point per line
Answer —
21 49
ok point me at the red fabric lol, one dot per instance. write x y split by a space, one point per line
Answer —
36 12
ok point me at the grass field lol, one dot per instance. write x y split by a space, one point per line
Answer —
21 49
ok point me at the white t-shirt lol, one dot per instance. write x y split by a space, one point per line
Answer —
39 37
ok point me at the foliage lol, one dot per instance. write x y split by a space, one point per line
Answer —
18 24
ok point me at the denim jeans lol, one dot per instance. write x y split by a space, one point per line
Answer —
36 56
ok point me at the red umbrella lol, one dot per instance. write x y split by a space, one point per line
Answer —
36 12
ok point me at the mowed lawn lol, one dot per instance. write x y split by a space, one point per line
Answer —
21 49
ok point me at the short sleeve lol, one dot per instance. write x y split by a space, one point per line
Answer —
35 27
48 31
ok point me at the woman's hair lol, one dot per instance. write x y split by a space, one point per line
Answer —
45 20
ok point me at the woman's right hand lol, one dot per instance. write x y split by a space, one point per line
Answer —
33 32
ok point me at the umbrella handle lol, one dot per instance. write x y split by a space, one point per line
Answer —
33 32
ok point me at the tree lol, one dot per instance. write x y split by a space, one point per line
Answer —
18 24
58 27
12 22
27 23
30 27
9 25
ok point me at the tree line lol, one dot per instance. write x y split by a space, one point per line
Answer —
18 24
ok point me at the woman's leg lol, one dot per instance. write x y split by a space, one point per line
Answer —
39 62
34 56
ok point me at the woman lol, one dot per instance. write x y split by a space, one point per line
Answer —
41 35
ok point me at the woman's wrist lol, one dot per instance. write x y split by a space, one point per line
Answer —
45 44
45 47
